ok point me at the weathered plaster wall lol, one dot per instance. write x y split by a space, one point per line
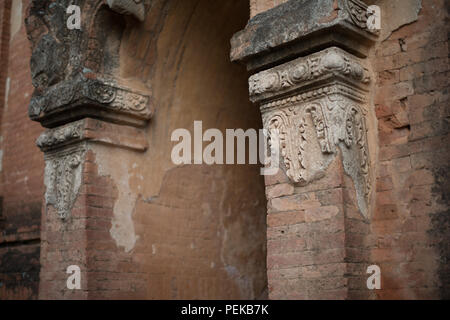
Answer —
197 231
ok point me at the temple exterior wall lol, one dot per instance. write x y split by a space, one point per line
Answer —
88 178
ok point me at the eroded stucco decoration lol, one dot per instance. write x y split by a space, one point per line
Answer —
94 94
63 175
318 106
130 7
76 76
60 136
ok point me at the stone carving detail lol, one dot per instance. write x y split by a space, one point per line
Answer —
61 136
321 127
332 61
310 134
316 106
101 92
356 135
131 7
63 174
324 91
74 71
358 14
83 91
291 142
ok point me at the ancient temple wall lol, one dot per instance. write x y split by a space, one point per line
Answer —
116 205
141 227
21 165
410 226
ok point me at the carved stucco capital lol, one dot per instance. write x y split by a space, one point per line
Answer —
318 106
83 96
75 75
75 72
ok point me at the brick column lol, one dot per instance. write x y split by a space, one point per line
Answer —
319 203
95 131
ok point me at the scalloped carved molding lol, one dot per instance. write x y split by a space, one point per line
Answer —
332 62
124 104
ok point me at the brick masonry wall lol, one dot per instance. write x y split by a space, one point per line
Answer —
306 237
316 245
410 227
21 185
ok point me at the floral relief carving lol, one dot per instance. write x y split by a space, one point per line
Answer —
60 136
291 141
333 124
63 174
358 13
356 135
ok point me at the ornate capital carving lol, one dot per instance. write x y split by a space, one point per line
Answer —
83 96
93 131
325 66
318 106
74 71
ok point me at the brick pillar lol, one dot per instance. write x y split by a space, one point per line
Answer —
312 83
95 132
81 195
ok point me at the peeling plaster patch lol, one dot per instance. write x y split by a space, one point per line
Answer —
122 230
16 18
244 284
396 14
